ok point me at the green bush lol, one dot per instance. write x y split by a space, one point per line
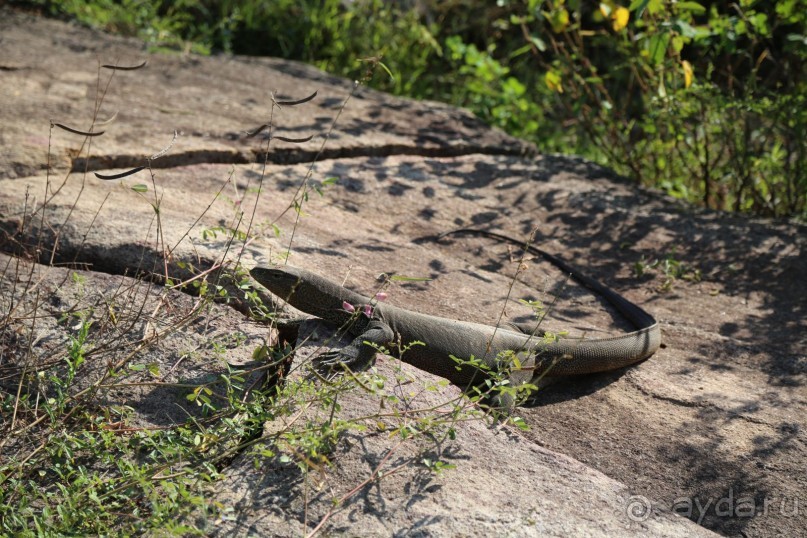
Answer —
703 100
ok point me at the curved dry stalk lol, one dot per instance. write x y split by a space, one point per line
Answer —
126 67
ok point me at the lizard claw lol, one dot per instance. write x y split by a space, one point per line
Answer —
329 358
330 361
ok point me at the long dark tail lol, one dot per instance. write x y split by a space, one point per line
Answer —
640 318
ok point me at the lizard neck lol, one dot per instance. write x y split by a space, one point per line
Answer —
320 297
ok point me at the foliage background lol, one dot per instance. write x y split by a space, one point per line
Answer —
705 100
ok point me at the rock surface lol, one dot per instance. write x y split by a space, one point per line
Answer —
710 427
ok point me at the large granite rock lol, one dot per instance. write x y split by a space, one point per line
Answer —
711 423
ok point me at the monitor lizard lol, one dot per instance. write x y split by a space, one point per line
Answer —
380 324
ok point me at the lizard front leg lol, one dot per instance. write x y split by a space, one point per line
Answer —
359 355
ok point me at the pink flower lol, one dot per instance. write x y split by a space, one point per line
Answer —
367 309
381 296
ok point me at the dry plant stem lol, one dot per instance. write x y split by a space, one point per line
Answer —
370 479
29 351
33 453
112 346
159 239
302 189
84 237
204 273
264 164
67 218
143 344
235 225
99 99
44 199
29 285
29 354
160 303
201 215
155 477
438 408
305 500
216 395
304 186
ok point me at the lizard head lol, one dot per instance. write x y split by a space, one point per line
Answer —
306 291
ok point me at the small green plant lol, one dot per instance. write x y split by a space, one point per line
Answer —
671 268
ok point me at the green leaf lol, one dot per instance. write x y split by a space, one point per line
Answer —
139 188
657 47
685 29
662 90
520 51
694 7
638 6
538 42
402 278
760 23
385 68
553 81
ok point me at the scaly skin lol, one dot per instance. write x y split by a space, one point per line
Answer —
444 337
